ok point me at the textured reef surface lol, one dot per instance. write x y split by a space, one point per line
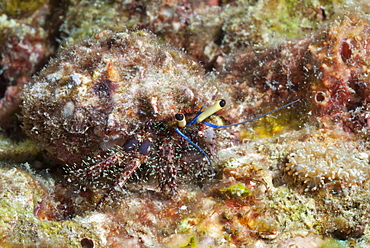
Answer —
96 155
26 44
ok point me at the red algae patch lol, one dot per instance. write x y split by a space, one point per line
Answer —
327 70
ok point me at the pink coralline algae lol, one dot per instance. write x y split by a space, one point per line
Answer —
24 48
328 71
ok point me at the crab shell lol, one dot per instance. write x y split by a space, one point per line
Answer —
98 92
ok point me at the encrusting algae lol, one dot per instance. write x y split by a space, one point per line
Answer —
25 46
327 70
20 190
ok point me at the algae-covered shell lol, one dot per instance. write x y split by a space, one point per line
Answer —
97 92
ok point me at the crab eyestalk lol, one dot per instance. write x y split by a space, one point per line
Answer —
180 119
211 110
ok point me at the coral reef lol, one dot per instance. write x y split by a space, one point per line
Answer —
339 179
327 70
190 25
205 29
106 105
25 46
264 214
252 25
20 190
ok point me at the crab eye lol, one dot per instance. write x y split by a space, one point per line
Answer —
144 147
211 110
181 121
130 144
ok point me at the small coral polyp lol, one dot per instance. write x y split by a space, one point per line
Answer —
316 163
111 101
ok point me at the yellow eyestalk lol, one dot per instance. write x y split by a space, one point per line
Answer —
211 110
181 121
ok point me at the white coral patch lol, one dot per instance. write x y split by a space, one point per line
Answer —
68 109
315 164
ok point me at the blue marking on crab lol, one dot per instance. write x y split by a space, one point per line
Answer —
219 105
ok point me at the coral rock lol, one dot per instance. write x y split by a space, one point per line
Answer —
328 71
24 48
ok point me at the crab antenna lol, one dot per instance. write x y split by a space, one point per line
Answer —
211 110
195 119
198 147
255 118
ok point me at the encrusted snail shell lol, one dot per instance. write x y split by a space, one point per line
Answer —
98 92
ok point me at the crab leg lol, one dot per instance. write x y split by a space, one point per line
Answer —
126 174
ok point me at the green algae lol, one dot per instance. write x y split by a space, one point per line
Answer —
267 21
86 18
194 29
191 244
237 190
20 191
186 225
295 213
334 243
273 125
18 151
20 7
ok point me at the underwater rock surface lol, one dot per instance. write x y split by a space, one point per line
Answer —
25 46
20 190
328 70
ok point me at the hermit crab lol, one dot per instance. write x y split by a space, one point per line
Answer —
115 105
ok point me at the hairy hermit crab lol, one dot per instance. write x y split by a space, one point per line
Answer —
115 105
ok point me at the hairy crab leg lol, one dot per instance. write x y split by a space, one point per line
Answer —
100 164
168 175
109 162
199 148
126 174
